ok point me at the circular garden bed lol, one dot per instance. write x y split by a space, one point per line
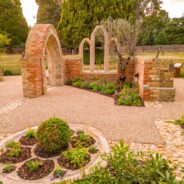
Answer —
51 152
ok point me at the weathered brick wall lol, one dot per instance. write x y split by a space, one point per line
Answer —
74 70
156 79
1 73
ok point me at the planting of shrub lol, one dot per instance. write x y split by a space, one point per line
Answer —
30 134
8 168
33 165
58 172
54 135
129 97
74 158
29 139
103 87
130 168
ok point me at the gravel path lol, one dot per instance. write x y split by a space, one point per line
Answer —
134 124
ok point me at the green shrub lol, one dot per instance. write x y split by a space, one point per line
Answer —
8 72
14 149
182 74
34 165
77 156
58 172
108 88
125 167
11 144
129 97
83 137
8 168
54 134
30 134
92 149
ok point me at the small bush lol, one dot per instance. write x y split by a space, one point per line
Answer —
58 172
30 134
8 168
182 74
83 137
54 134
34 165
77 156
8 72
129 97
14 149
92 149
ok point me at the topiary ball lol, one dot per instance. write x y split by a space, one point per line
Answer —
54 135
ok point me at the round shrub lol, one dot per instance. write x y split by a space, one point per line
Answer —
54 135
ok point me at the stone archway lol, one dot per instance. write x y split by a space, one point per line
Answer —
106 48
81 48
42 37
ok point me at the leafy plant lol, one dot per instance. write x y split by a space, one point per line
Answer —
129 97
11 144
83 137
34 165
92 149
77 156
131 168
8 72
14 149
8 168
30 134
54 134
58 172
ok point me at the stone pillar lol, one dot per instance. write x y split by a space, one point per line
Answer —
32 77
106 52
92 52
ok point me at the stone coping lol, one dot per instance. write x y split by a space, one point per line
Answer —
101 143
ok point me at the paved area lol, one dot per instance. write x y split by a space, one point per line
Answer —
134 124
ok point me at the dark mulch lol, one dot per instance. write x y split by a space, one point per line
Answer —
41 152
45 169
76 141
63 162
24 155
27 142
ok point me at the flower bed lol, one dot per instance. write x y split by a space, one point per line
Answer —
128 96
49 152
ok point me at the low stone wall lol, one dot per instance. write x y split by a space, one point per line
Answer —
162 48
1 74
74 70
155 79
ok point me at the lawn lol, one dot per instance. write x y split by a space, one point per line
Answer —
11 62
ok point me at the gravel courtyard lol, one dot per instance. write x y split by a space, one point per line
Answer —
134 124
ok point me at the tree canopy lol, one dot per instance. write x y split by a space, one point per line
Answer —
12 21
49 12
79 17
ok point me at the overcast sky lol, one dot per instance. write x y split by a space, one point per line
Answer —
174 7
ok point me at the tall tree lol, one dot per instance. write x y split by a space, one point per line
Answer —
153 29
79 17
13 22
49 12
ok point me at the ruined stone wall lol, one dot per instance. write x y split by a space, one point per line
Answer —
156 79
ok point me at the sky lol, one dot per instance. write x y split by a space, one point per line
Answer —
30 8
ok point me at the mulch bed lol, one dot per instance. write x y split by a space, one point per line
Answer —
27 142
75 142
45 169
41 152
63 162
24 155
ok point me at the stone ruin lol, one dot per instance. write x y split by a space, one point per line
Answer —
155 77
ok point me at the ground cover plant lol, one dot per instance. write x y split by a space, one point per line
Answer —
124 166
8 168
29 139
179 122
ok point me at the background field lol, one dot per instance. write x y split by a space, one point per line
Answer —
12 65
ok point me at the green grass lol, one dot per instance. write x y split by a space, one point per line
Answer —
11 62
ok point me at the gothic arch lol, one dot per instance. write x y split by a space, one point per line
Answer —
81 48
42 37
106 48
